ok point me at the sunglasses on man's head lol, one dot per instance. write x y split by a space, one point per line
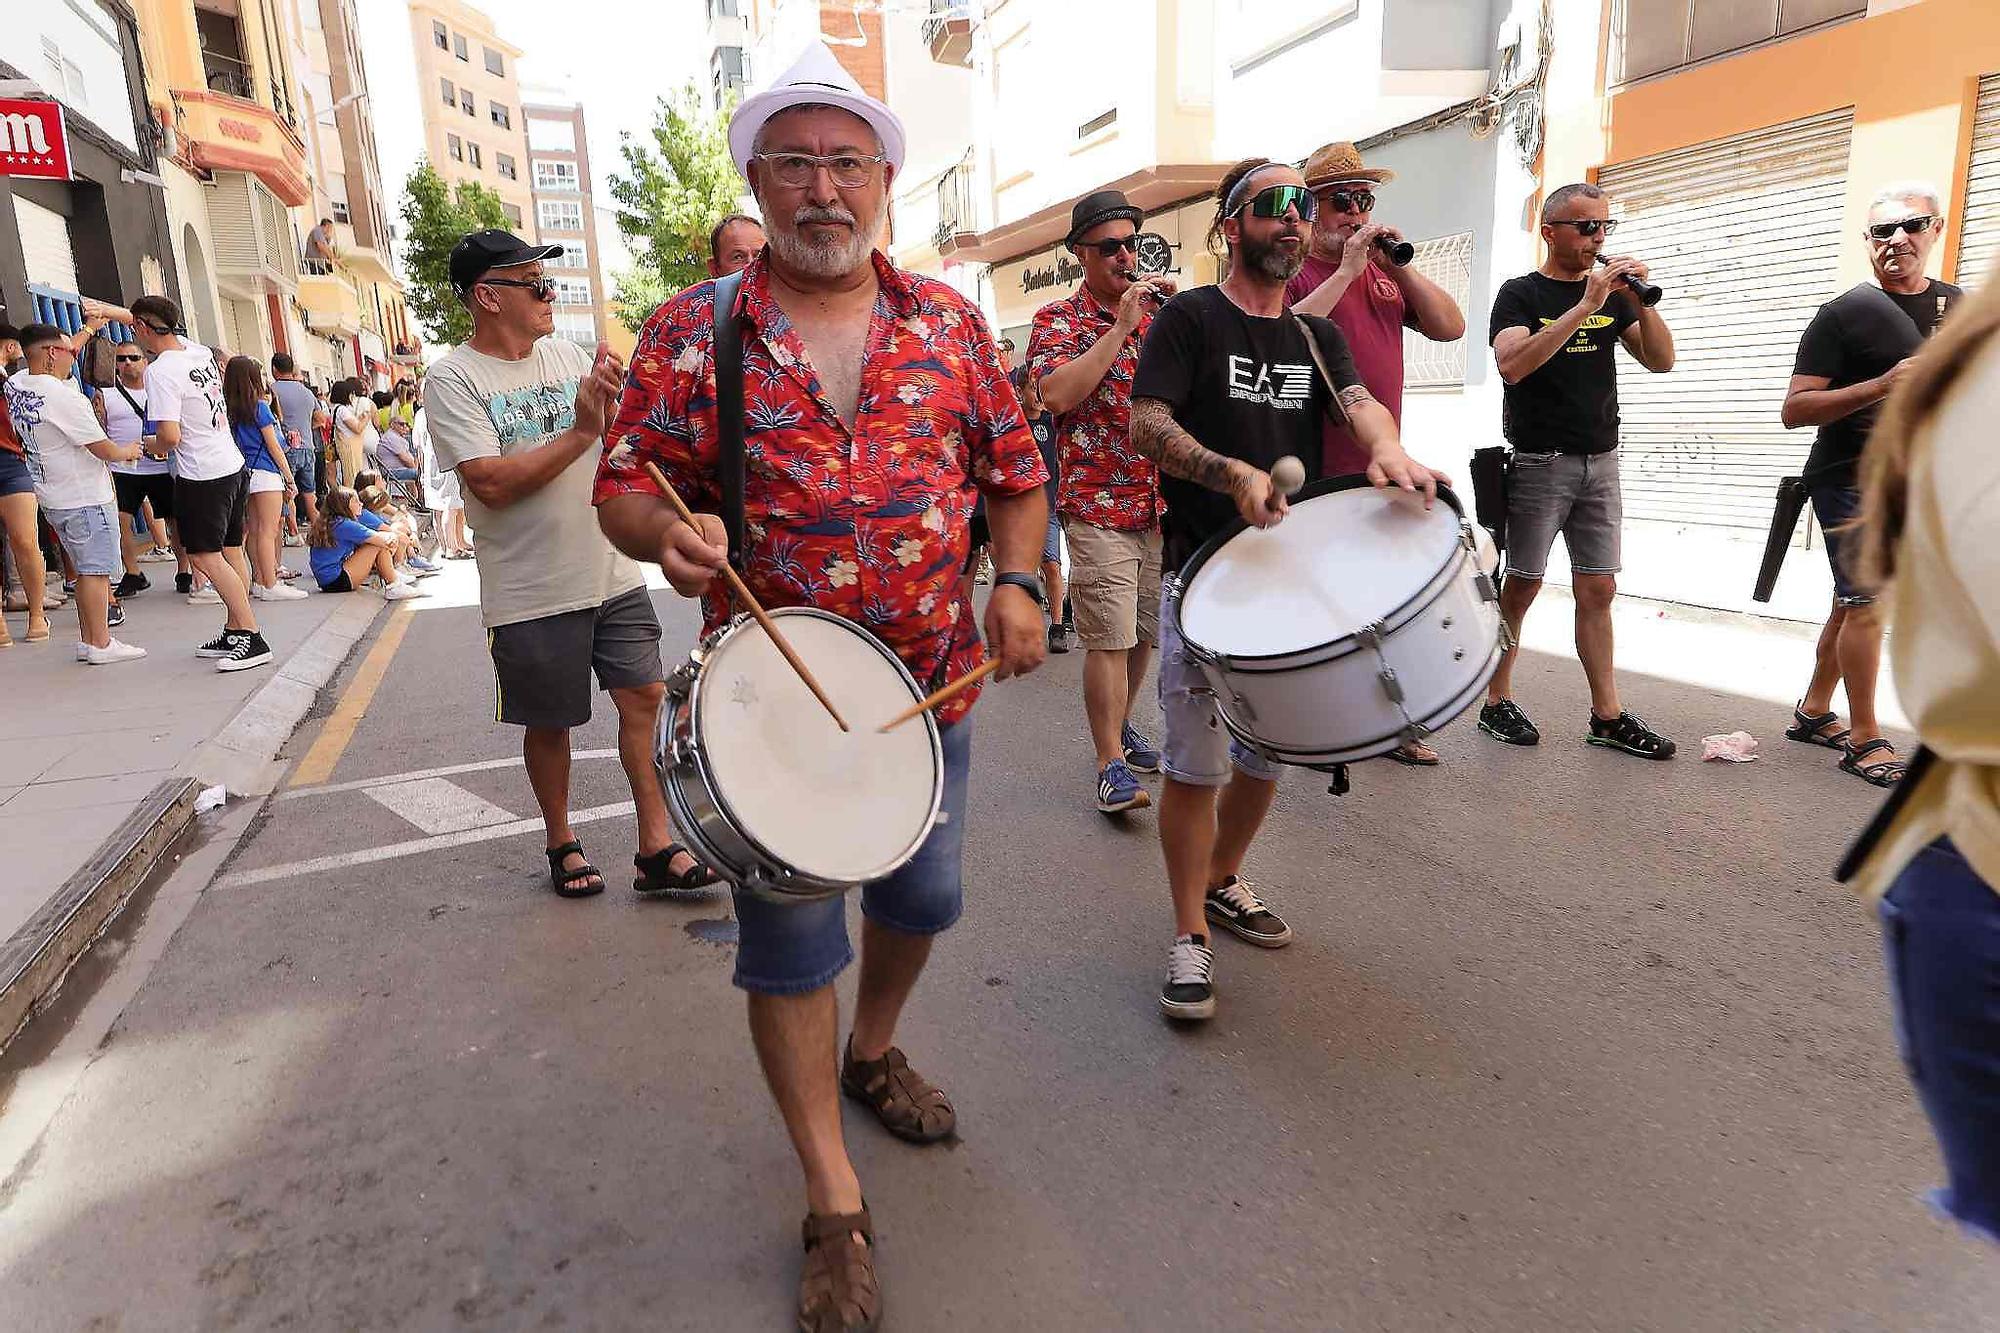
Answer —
1348 201
1109 249
539 288
1916 226
1277 200
1588 226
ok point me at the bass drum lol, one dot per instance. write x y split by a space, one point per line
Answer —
762 783
1359 622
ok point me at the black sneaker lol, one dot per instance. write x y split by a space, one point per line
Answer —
1233 906
1189 992
1506 721
219 646
1058 638
245 651
183 583
131 586
114 616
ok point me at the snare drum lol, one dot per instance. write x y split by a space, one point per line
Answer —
1359 622
765 787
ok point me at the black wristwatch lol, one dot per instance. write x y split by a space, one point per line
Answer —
1027 583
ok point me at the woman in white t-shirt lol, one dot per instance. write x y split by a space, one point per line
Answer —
354 434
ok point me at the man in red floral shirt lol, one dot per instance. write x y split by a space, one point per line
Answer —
1085 348
874 405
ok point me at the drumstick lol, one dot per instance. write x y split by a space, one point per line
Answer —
749 602
966 681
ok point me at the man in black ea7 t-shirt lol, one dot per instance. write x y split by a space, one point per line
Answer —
1225 387
1849 359
1555 335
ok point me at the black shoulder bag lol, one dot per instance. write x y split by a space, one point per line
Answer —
729 466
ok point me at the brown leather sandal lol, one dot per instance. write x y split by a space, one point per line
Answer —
838 1292
908 1106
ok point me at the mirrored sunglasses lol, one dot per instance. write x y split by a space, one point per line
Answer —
1277 200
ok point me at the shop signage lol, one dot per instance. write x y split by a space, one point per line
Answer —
34 141
1062 271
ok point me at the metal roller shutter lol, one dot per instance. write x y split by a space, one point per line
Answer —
1979 233
1744 233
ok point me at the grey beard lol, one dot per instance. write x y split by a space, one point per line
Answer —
826 259
1273 262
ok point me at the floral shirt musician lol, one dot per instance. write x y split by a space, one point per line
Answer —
1104 482
871 524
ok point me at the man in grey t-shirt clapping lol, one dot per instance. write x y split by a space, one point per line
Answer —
519 414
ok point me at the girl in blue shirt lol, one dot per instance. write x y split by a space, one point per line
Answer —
345 550
270 475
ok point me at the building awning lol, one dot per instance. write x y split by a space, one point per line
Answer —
1149 188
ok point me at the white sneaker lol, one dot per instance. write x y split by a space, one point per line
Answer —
207 596
114 651
402 590
277 592
293 539
82 651
156 555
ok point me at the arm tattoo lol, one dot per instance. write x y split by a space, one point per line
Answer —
1352 397
1157 436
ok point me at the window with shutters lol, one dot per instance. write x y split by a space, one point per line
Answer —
458 47
450 92
1653 36
504 164
440 35
466 102
513 214
496 65
500 115
455 146
472 154
1446 261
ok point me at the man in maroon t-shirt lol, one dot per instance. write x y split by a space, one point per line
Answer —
1348 279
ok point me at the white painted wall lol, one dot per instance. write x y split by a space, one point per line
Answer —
87 40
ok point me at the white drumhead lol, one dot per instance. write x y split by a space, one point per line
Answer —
1336 563
838 805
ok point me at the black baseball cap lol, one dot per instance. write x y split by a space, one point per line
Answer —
481 251
1101 206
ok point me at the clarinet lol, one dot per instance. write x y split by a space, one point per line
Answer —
1648 294
1399 253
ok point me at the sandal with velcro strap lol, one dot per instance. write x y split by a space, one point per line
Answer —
838 1291
1628 732
1813 730
1881 773
658 876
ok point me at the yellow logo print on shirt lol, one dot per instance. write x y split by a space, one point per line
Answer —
1582 341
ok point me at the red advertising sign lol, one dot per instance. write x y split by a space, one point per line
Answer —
34 141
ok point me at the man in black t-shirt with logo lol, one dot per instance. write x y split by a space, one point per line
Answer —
1850 357
1225 387
1555 335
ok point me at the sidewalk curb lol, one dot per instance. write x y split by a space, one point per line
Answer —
241 758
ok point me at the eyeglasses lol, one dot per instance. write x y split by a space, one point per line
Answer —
850 171
1348 201
1109 249
1588 226
539 288
1276 201
1916 226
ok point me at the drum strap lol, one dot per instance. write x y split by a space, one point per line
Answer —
729 466
1307 324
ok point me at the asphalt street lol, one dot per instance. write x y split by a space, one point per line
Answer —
1568 1040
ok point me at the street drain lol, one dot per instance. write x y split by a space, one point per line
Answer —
718 930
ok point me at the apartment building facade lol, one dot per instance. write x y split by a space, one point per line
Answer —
470 92
82 211
565 212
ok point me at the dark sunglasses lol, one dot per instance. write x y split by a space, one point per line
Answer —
122 357
539 288
1589 226
1916 226
1109 249
1277 200
1348 201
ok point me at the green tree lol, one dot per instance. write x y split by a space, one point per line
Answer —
672 190
435 217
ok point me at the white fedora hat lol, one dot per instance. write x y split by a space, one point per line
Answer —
815 78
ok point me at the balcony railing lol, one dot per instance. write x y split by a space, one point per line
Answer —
955 210
948 31
227 74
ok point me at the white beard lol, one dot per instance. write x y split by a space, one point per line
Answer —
826 258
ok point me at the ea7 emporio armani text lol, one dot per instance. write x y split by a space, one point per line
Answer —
1285 385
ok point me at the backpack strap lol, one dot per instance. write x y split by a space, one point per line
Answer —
1310 326
729 465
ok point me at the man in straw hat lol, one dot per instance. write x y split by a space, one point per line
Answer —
875 401
1351 279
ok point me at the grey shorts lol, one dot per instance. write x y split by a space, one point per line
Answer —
1195 747
90 535
542 668
1576 495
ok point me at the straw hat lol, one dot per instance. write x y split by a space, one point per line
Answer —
1336 162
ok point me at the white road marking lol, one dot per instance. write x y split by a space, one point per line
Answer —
414 847
389 779
437 805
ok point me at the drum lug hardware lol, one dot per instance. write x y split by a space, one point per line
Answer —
1369 636
1446 623
1489 591
1458 654
1243 706
1391 686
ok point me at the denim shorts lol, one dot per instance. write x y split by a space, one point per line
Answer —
1052 541
1196 748
15 479
1576 495
1834 507
305 469
90 535
1941 936
792 948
